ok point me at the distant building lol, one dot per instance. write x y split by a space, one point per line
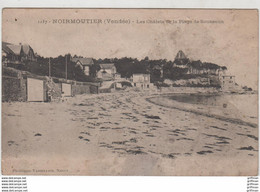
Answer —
84 64
181 61
227 82
141 80
107 71
16 54
194 67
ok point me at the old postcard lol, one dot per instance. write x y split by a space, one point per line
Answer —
129 92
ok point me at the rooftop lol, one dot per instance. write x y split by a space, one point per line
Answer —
180 55
107 65
84 61
15 49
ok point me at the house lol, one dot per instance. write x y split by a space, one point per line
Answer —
107 71
227 82
27 53
14 55
181 61
141 80
84 64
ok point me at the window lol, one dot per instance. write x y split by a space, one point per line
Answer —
230 77
147 86
86 70
135 84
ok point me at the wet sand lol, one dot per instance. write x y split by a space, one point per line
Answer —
122 134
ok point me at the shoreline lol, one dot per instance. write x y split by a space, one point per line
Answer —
155 101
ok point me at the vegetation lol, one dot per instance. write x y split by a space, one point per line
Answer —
128 66
58 68
158 69
247 88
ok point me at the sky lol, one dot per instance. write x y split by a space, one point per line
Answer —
233 42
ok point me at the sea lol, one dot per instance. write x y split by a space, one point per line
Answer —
247 104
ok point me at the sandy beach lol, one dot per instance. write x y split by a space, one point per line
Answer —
122 133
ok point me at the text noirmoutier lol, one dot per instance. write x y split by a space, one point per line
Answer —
126 21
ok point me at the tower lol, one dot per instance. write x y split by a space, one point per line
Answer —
180 55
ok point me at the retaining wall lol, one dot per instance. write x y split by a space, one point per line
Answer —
13 89
14 86
80 89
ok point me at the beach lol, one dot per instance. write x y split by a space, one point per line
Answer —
124 133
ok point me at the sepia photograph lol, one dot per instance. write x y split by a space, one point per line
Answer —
130 92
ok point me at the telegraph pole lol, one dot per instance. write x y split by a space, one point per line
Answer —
49 67
66 67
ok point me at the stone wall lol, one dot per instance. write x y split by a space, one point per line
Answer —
14 86
13 89
107 90
80 89
94 89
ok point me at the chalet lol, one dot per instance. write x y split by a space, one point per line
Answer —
181 61
16 54
83 63
107 71
227 82
141 80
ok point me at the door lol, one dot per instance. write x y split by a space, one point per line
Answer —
66 89
35 90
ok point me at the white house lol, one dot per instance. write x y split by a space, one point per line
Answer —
141 80
107 71
84 63
227 82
